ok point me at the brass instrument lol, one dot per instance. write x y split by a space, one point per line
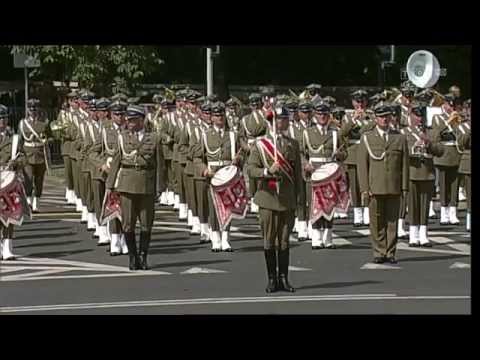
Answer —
59 127
434 97
455 119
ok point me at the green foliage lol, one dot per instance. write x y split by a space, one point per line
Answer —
104 69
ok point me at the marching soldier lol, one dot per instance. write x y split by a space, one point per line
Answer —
232 113
179 155
422 146
464 147
11 158
404 100
299 121
249 125
74 133
395 126
383 174
201 184
192 136
35 135
85 175
275 161
356 122
321 144
65 125
218 148
110 134
95 161
446 125
166 130
133 176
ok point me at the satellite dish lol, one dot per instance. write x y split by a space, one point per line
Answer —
423 69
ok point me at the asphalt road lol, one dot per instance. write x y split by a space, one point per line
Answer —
62 271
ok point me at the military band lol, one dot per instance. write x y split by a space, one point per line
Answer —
176 150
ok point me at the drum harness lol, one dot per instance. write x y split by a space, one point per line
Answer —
215 152
317 159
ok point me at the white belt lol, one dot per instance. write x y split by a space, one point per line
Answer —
250 141
219 163
33 144
448 143
321 159
354 141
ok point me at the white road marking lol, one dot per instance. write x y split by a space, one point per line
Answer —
198 270
404 246
364 232
459 265
42 268
461 247
238 300
295 268
372 266
440 239
90 276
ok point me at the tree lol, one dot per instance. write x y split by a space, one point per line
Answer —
103 69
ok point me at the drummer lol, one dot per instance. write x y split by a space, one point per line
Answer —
7 162
218 148
321 145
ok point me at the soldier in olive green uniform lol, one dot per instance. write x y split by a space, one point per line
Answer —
180 155
85 175
133 176
280 188
248 125
404 100
464 141
65 119
356 122
95 161
192 135
396 126
218 148
321 144
201 183
10 159
422 146
110 134
448 163
232 113
35 135
77 119
383 174
301 121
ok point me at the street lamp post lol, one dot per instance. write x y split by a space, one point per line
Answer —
209 72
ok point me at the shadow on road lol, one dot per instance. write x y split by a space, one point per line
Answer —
58 254
338 284
434 258
47 236
48 244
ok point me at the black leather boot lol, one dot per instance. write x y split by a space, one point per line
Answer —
144 246
134 263
283 261
271 261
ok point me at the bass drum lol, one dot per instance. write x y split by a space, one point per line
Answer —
13 201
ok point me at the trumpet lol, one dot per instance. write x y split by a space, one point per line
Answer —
454 119
59 129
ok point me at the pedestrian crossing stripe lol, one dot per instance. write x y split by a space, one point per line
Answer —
459 265
199 270
372 266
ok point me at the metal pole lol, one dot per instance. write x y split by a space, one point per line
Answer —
26 89
392 53
209 72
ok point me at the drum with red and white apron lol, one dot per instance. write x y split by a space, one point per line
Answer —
229 194
329 192
13 200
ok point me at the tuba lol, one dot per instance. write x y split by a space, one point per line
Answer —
455 119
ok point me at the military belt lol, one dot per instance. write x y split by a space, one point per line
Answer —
219 163
354 141
321 159
33 144
448 143
136 167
